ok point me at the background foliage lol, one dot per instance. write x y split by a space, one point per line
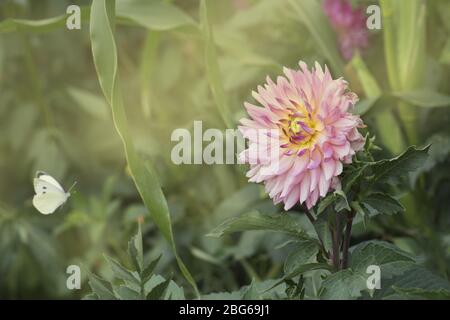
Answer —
160 65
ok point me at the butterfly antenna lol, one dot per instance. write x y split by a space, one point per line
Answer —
73 185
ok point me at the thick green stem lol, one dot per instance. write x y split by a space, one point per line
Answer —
336 242
347 236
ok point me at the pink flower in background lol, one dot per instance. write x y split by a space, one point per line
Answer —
349 24
307 113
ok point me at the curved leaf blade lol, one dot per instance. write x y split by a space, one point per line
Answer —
104 51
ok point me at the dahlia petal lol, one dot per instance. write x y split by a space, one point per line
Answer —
339 168
342 150
292 199
315 174
304 187
324 185
328 167
312 199
316 158
344 123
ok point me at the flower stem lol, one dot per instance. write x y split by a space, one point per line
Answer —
347 236
309 215
336 235
312 219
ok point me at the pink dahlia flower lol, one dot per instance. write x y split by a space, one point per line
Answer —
305 117
349 24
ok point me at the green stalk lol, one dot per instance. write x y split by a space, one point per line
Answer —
347 236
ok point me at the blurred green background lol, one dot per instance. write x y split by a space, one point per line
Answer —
53 117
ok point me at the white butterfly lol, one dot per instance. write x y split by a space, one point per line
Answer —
49 193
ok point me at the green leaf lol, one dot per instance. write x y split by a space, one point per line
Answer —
120 272
126 293
356 206
353 176
104 51
257 221
310 13
154 15
235 295
300 270
419 293
158 292
343 285
321 226
132 252
305 252
350 283
101 287
341 201
424 98
415 282
139 245
389 258
325 203
338 198
251 292
212 67
38 26
381 203
408 161
90 296
148 271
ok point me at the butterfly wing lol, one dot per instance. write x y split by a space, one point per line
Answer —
48 180
48 202
42 187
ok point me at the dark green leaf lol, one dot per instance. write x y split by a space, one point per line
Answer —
158 292
101 287
419 293
380 203
410 160
126 293
353 176
325 202
343 285
251 293
390 259
132 252
148 271
305 252
120 272
416 283
300 270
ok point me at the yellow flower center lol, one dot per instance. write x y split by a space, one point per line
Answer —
301 130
